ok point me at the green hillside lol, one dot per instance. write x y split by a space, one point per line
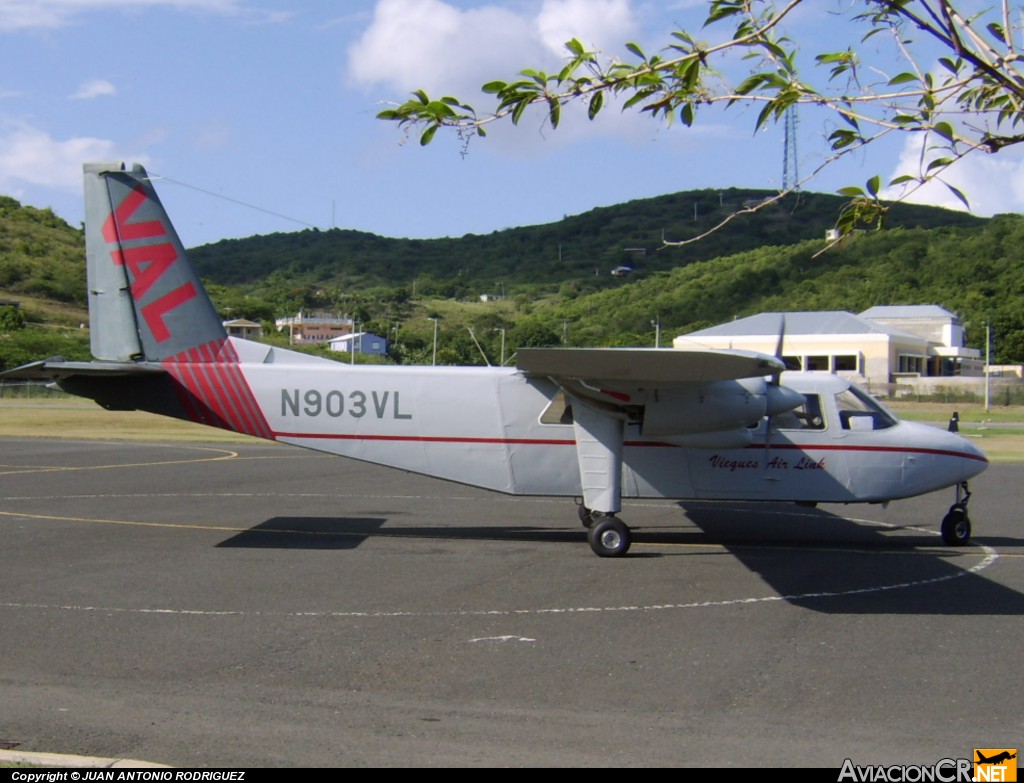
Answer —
40 254
977 273
556 278
580 247
42 270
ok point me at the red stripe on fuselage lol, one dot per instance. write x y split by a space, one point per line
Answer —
213 389
628 444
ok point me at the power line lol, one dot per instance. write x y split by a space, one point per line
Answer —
232 200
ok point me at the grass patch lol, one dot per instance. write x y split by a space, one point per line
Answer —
79 419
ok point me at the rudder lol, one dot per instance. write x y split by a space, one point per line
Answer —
145 299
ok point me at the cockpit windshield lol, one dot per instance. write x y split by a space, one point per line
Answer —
859 411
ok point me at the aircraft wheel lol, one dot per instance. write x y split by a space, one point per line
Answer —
956 526
609 537
586 516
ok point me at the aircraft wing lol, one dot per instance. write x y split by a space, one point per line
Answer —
672 392
645 367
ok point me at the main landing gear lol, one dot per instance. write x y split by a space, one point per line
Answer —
607 535
956 525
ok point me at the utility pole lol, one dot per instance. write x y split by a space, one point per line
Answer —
502 330
988 364
434 362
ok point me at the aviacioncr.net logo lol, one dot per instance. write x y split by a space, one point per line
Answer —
942 771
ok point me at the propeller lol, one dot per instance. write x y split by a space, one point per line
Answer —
778 399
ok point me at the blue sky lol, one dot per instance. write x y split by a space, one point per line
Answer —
260 114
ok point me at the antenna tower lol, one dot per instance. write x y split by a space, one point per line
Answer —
790 175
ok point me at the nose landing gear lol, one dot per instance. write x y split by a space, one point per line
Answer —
956 525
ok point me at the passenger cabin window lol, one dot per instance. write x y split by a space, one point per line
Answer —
859 411
558 411
803 417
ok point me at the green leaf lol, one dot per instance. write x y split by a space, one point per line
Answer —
873 185
428 135
554 111
903 78
574 46
596 102
940 163
520 107
944 129
637 51
959 195
851 191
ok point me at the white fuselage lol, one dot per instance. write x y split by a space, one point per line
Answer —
483 427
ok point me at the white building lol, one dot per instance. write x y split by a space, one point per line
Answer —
882 345
316 327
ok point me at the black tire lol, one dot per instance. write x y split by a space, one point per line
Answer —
609 537
956 527
586 516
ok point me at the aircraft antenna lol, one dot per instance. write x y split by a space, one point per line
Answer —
239 202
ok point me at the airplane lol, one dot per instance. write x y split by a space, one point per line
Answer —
594 424
996 759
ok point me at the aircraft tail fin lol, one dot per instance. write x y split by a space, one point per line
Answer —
146 301
148 310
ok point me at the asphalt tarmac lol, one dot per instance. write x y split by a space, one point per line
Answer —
259 605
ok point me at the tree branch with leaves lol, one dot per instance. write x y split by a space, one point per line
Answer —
959 85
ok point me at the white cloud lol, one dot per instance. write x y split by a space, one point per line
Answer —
31 156
29 14
435 46
95 88
992 183
215 135
430 44
596 23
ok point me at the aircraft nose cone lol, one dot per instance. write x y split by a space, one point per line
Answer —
782 399
959 459
974 461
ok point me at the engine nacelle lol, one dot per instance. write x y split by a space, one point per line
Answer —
715 407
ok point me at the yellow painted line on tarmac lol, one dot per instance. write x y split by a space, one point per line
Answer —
126 522
179 526
224 454
14 470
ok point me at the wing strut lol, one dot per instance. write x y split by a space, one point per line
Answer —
599 452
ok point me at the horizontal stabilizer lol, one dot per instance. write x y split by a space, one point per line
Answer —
56 368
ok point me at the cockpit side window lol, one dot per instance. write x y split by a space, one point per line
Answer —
804 417
859 411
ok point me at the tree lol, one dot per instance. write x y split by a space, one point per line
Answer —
11 319
959 85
